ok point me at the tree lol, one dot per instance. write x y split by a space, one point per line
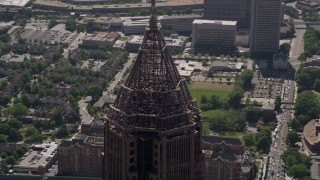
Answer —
285 48
204 99
295 124
277 103
3 139
52 23
304 79
298 171
57 115
307 104
215 102
292 138
234 98
71 24
10 160
62 132
94 91
18 110
246 77
5 37
316 85
253 113
263 144
249 140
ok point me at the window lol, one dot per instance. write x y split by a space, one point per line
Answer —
131 160
131 152
131 144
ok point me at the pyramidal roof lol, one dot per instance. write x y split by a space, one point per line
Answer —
154 96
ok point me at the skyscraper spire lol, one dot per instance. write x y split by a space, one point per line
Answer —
153 129
153 15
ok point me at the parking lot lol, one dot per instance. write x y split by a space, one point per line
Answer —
266 89
55 34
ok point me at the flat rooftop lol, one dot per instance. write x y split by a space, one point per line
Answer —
32 160
19 3
217 22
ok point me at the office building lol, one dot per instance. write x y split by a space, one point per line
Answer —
81 156
229 10
213 34
153 130
101 38
179 23
265 26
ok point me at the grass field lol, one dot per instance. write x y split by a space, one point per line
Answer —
198 89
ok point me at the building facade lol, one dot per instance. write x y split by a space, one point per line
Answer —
179 23
101 39
225 159
265 26
229 10
81 156
153 130
213 34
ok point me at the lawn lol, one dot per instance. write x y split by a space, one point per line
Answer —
198 89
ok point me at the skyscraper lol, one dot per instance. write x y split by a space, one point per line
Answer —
229 10
153 130
265 26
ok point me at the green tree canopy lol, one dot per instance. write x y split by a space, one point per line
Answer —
298 171
18 110
292 138
307 104
71 24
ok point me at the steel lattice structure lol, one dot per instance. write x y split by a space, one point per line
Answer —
153 109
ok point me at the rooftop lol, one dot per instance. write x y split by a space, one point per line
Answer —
217 22
311 131
19 3
82 140
102 36
218 140
34 159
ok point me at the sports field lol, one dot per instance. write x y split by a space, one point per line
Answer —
198 89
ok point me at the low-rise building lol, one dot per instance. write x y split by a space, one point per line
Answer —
225 158
81 156
105 22
96 128
101 38
135 25
308 6
268 110
39 160
174 41
280 61
226 66
311 136
313 61
186 68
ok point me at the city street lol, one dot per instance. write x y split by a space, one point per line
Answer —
278 146
119 76
297 45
